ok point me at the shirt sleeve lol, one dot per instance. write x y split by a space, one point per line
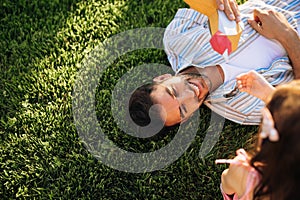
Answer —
185 37
279 72
244 108
226 196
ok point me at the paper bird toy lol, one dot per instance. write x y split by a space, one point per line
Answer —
225 33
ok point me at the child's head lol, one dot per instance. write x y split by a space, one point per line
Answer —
281 159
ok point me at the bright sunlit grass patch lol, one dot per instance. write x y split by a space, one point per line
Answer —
42 46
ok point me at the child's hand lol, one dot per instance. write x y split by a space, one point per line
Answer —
254 84
240 158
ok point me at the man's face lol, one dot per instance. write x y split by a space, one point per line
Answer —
180 96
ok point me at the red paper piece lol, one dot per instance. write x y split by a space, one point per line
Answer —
220 43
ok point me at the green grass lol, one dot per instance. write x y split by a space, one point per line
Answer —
42 47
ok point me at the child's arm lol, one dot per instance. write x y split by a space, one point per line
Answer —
234 179
255 84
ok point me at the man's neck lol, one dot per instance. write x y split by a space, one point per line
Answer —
212 75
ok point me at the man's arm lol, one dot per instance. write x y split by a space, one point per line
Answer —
274 25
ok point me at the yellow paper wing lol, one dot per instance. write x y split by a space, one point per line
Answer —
206 7
234 39
209 8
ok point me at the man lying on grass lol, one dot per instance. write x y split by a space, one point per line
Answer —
203 76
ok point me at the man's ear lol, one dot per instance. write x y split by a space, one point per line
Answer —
161 78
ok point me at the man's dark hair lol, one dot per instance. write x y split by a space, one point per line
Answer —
140 103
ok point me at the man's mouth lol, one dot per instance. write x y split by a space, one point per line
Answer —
196 86
196 83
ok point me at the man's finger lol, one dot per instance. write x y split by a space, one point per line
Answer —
220 4
228 11
257 13
235 10
255 25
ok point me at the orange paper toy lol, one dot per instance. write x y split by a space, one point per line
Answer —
225 33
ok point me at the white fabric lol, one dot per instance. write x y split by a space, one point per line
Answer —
260 53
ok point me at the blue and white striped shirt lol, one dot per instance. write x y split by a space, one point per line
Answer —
186 42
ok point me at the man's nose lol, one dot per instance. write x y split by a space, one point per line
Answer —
186 96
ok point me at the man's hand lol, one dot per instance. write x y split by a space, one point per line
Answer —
230 7
255 84
270 24
274 25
